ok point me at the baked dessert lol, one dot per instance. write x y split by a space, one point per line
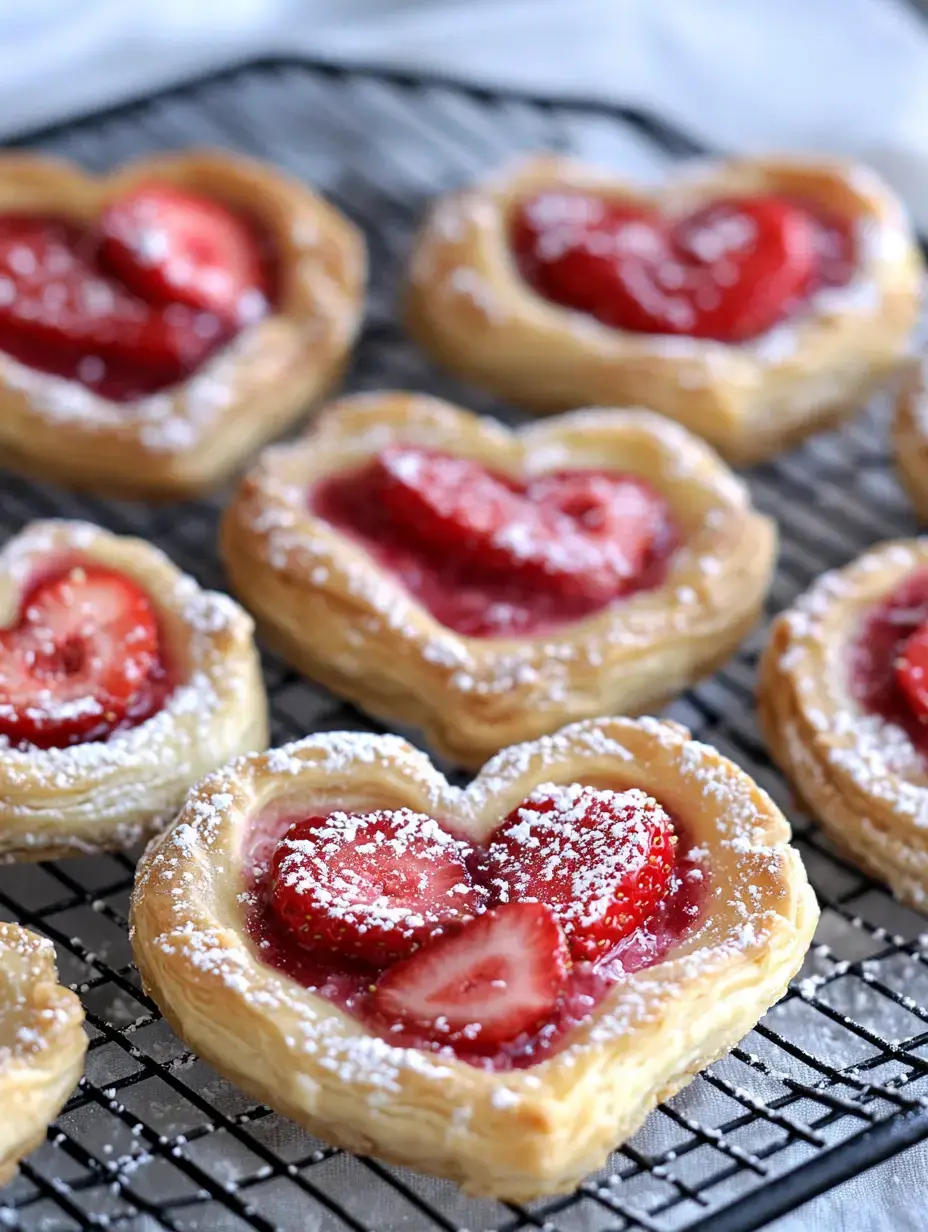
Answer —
489 585
121 683
754 300
844 707
42 1043
493 984
910 436
159 323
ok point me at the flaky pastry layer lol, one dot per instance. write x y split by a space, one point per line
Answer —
340 617
42 1044
468 305
187 438
859 776
112 793
516 1134
910 436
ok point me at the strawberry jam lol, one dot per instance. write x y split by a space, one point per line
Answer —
435 943
729 271
889 660
490 556
83 661
137 301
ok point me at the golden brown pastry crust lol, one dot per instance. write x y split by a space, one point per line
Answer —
338 616
910 436
859 776
110 794
468 306
512 1135
189 438
42 1044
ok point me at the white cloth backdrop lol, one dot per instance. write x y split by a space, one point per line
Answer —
843 76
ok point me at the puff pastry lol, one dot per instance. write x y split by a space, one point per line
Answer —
42 1043
856 770
512 1134
191 436
336 614
107 794
469 307
910 437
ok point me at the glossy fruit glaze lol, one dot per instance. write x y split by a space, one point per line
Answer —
889 658
728 271
84 660
352 983
137 300
489 556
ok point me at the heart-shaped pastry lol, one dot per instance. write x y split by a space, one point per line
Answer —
494 984
42 1043
753 300
843 699
488 585
121 683
160 322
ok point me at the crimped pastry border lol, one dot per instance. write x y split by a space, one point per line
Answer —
42 1043
469 307
858 776
190 437
110 794
335 614
512 1135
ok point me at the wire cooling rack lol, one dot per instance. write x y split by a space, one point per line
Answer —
832 1080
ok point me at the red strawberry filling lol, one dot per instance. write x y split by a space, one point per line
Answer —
494 951
137 302
490 556
888 669
83 661
729 271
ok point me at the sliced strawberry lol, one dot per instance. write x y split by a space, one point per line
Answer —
54 301
496 977
80 659
912 673
729 271
173 247
600 859
453 507
623 516
369 886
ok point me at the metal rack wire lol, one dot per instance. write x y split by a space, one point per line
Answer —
835 1077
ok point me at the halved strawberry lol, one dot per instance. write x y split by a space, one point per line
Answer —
622 515
496 977
912 673
370 886
83 653
174 247
54 301
600 859
455 507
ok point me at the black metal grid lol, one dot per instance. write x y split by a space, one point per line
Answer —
835 1077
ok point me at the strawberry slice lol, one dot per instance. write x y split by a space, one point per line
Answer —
498 976
600 859
54 301
369 886
912 673
729 271
80 661
453 507
173 247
